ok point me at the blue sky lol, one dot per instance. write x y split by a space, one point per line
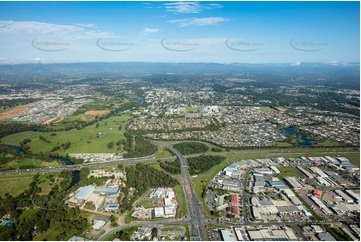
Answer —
223 32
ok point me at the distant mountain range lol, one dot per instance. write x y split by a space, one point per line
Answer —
339 72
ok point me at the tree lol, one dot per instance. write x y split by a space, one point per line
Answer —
110 145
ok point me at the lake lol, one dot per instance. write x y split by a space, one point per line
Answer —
304 142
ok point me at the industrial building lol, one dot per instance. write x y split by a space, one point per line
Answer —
273 234
78 238
83 193
227 235
305 172
159 212
239 235
321 205
275 183
111 207
231 185
326 236
354 194
318 171
344 196
98 224
275 169
106 190
263 171
258 183
294 183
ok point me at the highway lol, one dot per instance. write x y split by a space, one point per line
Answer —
196 214
151 159
79 166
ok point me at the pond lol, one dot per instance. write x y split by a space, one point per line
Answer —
304 140
16 148
140 100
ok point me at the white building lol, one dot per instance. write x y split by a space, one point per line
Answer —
158 212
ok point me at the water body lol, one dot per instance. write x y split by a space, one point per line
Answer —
140 100
74 174
304 142
75 178
64 160
16 148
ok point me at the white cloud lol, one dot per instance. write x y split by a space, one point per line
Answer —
150 30
297 63
39 60
197 21
190 7
87 25
333 63
34 29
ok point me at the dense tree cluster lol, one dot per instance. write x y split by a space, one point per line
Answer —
6 104
171 166
110 145
137 146
50 212
42 138
141 177
187 148
84 180
216 149
203 163
7 128
124 235
24 145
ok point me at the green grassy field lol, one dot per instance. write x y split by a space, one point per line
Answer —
163 153
191 110
267 109
147 203
289 171
14 185
182 209
46 184
353 158
352 153
27 213
88 140
51 235
329 142
35 163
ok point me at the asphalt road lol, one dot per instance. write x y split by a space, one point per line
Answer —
196 213
244 197
79 166
142 223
